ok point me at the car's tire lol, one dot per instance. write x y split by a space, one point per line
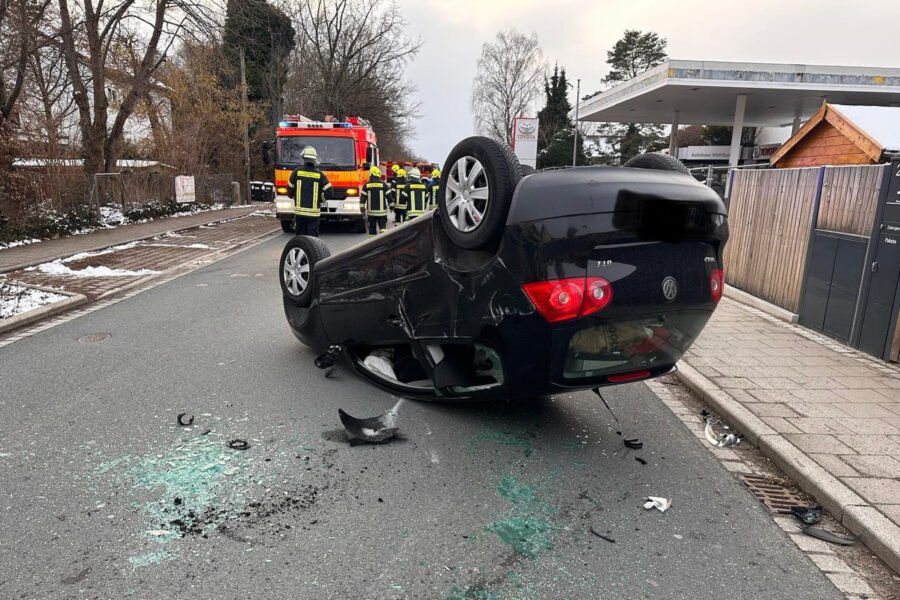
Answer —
296 268
658 162
477 185
287 226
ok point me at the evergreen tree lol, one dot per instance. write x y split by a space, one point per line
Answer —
635 53
267 37
556 131
555 114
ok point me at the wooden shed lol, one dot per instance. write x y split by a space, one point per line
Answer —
843 135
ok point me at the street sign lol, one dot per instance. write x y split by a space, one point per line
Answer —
184 189
525 140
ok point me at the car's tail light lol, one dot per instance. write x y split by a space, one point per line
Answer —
717 284
565 299
626 377
598 294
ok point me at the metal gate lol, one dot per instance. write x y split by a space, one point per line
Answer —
833 272
879 316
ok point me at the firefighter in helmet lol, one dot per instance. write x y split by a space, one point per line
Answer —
309 187
392 182
434 188
374 192
417 194
401 201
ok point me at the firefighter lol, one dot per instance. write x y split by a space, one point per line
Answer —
434 188
375 194
392 182
417 194
401 201
310 187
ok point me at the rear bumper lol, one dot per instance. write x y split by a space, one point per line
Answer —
332 209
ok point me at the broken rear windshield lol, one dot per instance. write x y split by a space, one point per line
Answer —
334 152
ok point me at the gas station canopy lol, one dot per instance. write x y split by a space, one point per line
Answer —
739 94
705 93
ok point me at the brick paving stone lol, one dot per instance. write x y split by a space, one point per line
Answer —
780 396
822 444
830 564
862 395
729 371
776 383
824 425
835 465
811 544
875 465
816 383
780 361
817 361
850 584
708 372
870 426
875 489
734 382
780 424
892 511
858 383
819 410
763 409
868 444
818 398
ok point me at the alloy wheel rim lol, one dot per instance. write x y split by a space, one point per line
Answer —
468 194
295 271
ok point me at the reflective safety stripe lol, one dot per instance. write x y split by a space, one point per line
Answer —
376 206
400 201
432 198
416 199
308 206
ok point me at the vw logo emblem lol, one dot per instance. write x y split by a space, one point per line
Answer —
669 288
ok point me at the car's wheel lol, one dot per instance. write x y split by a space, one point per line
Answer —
477 187
295 271
287 226
659 162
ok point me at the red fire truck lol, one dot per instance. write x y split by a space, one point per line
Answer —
346 149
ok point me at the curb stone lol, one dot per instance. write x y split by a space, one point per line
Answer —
43 312
875 530
758 303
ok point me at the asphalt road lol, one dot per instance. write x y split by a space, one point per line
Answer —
103 495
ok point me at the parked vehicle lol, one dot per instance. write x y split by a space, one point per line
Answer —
519 284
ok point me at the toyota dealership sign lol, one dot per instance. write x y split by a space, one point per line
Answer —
525 140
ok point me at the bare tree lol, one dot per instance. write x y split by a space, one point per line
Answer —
351 59
89 32
19 20
509 78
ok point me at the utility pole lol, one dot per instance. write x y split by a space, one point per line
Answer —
246 126
577 100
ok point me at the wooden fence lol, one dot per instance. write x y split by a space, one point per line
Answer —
770 219
850 199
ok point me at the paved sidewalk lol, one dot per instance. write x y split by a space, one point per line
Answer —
827 415
20 257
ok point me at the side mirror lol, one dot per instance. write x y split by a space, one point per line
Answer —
266 152
367 166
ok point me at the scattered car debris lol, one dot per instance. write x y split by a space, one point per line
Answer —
660 504
828 536
808 514
726 438
328 359
381 362
207 432
330 372
374 430
633 443
641 460
606 404
239 444
603 536
183 422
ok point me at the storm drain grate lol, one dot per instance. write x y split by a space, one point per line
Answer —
774 495
94 337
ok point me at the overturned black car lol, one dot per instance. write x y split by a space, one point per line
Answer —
519 283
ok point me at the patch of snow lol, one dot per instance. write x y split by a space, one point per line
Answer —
16 299
191 246
19 243
58 268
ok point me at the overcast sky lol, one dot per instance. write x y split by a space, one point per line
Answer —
577 34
